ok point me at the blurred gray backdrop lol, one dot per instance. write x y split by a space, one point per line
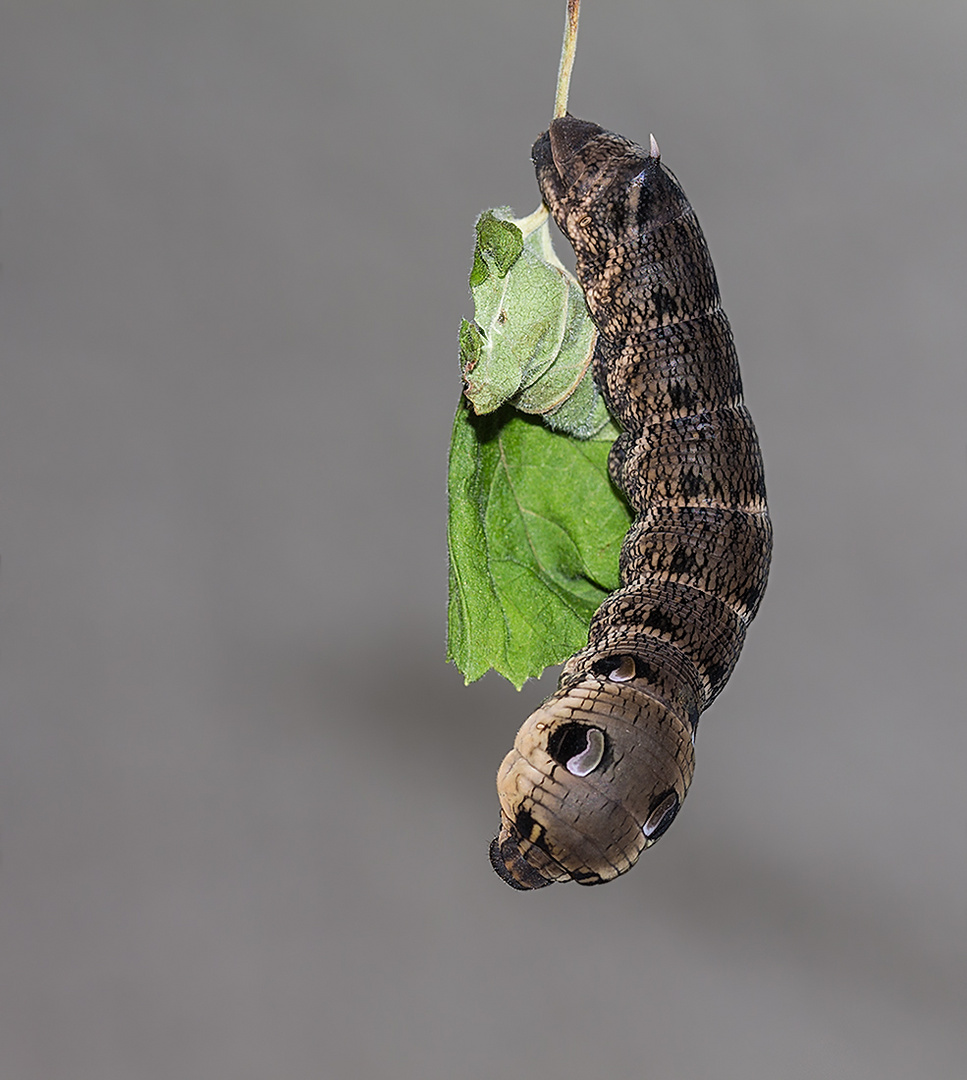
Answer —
244 804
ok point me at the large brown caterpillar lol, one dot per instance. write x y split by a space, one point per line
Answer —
599 771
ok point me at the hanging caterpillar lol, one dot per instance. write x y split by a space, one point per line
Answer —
599 771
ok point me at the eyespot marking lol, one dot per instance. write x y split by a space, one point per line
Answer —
578 747
662 815
618 669
590 757
625 671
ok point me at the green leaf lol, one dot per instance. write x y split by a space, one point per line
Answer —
534 531
499 244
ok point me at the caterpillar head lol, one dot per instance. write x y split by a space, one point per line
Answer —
596 775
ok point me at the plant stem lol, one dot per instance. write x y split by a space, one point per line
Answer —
567 57
532 222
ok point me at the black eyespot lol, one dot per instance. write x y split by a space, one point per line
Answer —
616 668
662 814
578 747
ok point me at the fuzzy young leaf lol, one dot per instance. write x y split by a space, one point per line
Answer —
532 337
534 532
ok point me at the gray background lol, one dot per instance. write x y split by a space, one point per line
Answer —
244 804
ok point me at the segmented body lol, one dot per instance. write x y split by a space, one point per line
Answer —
599 771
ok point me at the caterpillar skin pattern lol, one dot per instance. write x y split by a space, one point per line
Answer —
599 771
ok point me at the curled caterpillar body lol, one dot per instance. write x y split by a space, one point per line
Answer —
600 770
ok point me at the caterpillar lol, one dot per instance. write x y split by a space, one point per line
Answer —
599 771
